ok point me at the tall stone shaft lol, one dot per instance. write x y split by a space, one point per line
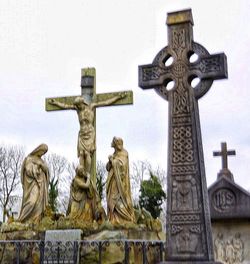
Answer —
189 236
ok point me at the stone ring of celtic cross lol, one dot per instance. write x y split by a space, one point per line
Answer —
181 71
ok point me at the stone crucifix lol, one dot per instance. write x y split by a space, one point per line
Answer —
189 236
224 153
85 105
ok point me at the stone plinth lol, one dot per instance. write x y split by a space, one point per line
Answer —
58 242
113 247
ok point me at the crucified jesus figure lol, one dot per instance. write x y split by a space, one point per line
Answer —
86 144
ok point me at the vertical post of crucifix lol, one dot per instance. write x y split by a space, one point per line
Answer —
224 153
88 91
189 235
86 111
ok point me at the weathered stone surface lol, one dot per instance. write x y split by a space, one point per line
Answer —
232 241
63 235
28 254
228 200
52 237
189 236
230 215
113 249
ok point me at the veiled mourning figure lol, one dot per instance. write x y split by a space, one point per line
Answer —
82 204
119 202
35 181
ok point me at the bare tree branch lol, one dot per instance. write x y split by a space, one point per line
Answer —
11 158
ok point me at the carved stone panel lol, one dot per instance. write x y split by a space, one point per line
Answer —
229 249
224 200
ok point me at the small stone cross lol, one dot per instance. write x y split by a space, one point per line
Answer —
224 153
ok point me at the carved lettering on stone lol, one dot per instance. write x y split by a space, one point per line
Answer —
223 200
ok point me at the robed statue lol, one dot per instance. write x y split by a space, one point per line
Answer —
83 198
119 202
35 182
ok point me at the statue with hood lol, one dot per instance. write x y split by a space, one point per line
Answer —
35 181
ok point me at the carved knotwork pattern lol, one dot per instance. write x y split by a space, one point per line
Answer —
183 169
181 102
182 144
199 49
210 65
175 229
179 40
195 229
182 120
186 218
151 73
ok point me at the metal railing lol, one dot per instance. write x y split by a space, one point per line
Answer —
78 252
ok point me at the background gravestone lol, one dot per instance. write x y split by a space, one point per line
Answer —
230 215
60 246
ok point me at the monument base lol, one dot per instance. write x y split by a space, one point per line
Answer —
59 245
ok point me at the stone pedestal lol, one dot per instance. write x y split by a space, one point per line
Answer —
113 247
59 245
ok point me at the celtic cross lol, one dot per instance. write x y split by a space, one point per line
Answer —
189 237
224 153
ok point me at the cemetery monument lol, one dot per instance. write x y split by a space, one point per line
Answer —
189 235
230 214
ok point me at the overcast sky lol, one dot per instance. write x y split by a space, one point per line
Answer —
44 44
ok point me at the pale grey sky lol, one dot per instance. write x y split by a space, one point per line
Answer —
44 44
